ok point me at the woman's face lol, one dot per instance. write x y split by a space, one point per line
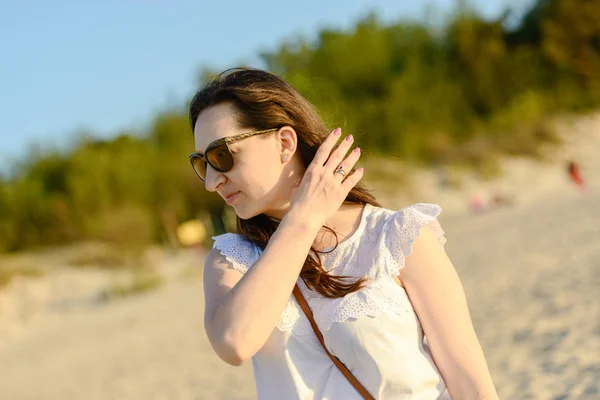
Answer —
257 183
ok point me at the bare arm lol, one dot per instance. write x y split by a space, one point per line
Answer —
241 311
438 298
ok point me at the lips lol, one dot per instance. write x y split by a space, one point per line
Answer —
230 198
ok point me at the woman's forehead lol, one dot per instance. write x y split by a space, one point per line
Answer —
214 123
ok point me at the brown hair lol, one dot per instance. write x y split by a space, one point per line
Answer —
263 101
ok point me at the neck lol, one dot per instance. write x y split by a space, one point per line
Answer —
343 223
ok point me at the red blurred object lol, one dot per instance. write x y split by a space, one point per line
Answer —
574 171
477 204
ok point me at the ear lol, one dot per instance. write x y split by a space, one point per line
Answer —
287 142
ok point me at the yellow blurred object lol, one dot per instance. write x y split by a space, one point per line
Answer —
191 232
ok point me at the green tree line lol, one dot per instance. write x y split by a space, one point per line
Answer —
460 93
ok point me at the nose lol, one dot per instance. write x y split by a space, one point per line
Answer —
214 179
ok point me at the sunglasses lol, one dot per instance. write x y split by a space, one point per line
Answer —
218 155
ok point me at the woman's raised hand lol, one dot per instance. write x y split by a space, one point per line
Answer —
327 180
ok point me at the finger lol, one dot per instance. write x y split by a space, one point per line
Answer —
339 153
352 179
349 162
325 148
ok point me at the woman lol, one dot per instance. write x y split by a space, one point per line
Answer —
376 280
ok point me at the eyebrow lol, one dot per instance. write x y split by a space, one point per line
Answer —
207 147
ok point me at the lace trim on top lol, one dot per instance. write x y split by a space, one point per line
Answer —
379 297
240 252
404 228
386 242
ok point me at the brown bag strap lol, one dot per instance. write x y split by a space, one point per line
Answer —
357 385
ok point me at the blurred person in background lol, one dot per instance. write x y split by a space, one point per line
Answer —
382 290
574 172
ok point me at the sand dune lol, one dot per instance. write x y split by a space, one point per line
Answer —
531 274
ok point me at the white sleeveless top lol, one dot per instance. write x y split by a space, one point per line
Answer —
374 332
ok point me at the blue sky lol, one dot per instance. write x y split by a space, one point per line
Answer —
106 66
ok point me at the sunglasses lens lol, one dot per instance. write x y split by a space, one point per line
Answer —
220 158
199 166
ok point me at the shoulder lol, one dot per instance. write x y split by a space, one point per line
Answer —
406 222
406 225
398 230
231 240
418 213
425 209
232 250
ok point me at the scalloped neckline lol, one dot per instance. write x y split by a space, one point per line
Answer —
352 238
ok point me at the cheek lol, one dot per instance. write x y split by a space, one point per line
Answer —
259 173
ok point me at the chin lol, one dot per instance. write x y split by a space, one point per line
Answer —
250 209
244 212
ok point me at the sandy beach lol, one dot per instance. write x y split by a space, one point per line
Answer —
531 273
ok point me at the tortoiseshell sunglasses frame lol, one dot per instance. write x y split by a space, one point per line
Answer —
226 140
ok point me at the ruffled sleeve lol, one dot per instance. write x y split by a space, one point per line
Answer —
402 229
241 253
